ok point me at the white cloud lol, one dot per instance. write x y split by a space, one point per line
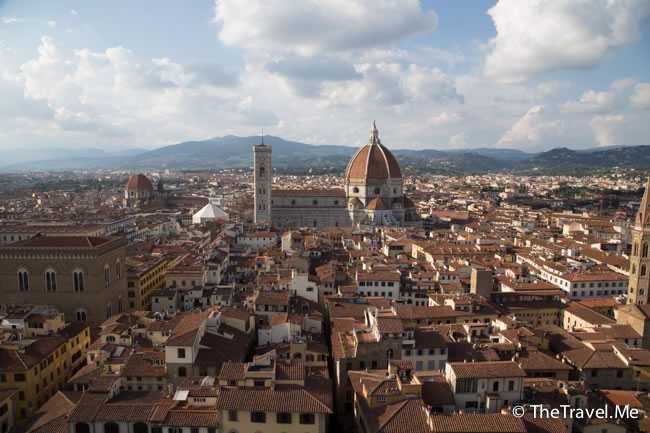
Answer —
431 84
600 102
393 84
314 26
112 94
532 129
546 36
592 102
74 13
446 118
51 24
641 96
550 88
12 20
622 84
458 140
607 129
306 75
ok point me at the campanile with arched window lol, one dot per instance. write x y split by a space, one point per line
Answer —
262 177
638 286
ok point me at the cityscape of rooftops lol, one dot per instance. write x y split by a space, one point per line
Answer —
414 216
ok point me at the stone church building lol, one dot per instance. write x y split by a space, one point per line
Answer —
372 194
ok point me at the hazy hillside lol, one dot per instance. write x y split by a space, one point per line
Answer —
231 151
290 156
567 159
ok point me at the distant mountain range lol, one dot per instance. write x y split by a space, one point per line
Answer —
235 152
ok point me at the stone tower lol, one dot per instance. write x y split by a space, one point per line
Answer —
263 173
639 262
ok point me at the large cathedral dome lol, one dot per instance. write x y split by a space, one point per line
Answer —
139 182
373 161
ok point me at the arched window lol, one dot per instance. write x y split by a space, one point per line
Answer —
377 191
120 306
389 354
262 171
50 280
118 269
645 250
80 314
140 427
107 276
81 427
633 269
635 250
111 427
182 372
78 280
297 355
23 280
109 309
643 270
355 190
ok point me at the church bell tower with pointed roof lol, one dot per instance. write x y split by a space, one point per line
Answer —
262 178
638 286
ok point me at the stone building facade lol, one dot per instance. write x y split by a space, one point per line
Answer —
83 277
138 190
639 286
263 175
372 194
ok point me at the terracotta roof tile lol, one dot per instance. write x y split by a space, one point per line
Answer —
487 369
139 182
284 398
477 423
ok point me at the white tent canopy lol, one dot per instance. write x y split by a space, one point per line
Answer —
209 212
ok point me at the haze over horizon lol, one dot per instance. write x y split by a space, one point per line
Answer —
439 75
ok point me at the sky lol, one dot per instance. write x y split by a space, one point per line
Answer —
529 75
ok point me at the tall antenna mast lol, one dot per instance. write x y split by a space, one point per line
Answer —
262 135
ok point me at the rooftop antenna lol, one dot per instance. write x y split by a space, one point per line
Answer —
262 135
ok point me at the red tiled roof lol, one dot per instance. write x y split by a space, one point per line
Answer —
486 369
373 161
378 204
63 242
139 182
284 398
477 422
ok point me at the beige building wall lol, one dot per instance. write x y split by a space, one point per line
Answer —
98 301
243 423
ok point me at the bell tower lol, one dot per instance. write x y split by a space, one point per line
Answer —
639 259
263 173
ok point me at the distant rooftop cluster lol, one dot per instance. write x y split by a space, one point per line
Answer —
170 302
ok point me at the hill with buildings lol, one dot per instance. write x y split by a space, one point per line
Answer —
289 156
